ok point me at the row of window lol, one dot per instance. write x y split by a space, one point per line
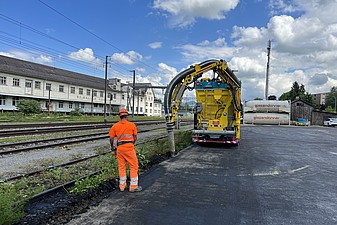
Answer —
16 100
37 85
77 105
141 110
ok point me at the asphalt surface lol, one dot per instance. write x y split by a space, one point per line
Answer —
278 175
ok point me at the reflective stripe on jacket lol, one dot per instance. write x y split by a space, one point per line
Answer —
124 131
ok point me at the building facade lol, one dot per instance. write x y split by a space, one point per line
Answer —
319 98
60 90
301 109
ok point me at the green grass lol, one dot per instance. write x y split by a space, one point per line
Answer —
15 194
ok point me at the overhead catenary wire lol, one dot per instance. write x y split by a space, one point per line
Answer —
20 43
92 33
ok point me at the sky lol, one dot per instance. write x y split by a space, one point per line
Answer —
160 38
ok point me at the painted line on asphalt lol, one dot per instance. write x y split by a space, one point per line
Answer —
298 169
334 153
258 174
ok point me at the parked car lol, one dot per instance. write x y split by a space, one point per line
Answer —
330 122
301 122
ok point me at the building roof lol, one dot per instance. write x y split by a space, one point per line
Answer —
299 100
48 73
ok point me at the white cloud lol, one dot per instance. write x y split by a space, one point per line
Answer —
184 12
128 58
85 55
304 49
167 73
29 56
282 6
249 36
155 45
217 49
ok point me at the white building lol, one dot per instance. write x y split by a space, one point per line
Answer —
63 90
319 98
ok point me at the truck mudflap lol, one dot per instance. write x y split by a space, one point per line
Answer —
198 139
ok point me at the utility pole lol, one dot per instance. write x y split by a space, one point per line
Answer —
267 73
138 103
133 92
49 102
127 96
105 86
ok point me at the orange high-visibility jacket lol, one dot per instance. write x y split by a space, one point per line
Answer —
125 131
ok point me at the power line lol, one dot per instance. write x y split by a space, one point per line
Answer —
22 25
87 30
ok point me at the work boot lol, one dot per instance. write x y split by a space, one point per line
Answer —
121 190
137 189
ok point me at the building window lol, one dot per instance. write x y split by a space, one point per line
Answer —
48 86
146 104
16 82
114 95
2 100
95 105
150 104
37 84
82 105
123 97
88 91
114 87
141 99
94 93
150 110
141 109
3 80
60 105
80 91
28 83
72 90
70 105
15 101
146 110
61 88
101 93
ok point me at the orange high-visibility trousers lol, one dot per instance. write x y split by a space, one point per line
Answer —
124 157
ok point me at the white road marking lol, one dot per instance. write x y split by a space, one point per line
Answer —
257 174
334 153
298 169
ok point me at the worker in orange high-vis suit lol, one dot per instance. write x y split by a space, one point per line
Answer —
126 134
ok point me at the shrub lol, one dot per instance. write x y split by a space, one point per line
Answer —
76 112
29 106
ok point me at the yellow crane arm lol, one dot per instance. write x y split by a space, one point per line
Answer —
180 82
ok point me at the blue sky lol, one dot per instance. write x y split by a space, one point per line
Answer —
159 38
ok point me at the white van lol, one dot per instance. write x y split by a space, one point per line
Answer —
330 122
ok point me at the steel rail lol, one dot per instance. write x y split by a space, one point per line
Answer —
78 139
79 160
37 130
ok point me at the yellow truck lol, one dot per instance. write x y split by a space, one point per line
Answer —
218 107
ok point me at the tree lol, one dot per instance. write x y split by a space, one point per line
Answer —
330 98
295 92
29 106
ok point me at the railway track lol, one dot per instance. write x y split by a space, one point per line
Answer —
83 166
61 127
11 148
24 146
